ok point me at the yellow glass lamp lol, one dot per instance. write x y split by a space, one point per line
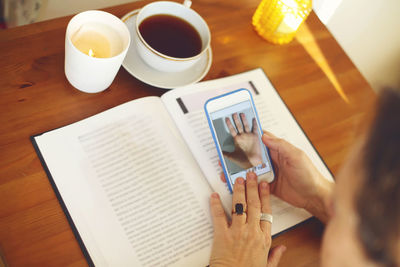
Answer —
277 21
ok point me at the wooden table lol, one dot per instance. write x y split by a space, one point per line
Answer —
36 97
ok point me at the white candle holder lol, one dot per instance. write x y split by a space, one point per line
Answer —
92 74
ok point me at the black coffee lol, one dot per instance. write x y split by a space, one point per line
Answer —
171 36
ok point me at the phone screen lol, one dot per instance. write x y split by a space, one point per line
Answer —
238 135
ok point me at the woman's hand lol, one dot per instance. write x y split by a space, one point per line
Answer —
246 241
297 181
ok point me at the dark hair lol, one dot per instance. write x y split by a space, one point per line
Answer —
378 201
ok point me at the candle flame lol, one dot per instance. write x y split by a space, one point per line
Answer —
91 53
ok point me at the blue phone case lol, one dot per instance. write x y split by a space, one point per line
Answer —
229 182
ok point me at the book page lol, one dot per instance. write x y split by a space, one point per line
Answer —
186 106
132 188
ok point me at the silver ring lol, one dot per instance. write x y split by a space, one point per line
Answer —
266 217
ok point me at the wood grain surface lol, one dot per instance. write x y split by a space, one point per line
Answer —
36 97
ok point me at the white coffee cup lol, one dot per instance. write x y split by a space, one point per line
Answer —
161 61
92 74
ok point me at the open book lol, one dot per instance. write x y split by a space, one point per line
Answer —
135 180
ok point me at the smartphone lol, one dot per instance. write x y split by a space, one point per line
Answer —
236 131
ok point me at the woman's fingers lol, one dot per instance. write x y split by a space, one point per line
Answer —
275 256
245 123
239 197
232 129
253 199
265 207
218 213
238 123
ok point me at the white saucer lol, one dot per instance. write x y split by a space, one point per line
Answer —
135 65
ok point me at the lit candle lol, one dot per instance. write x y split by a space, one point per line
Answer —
278 20
96 43
92 43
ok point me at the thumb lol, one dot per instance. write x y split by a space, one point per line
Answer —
275 256
277 144
270 140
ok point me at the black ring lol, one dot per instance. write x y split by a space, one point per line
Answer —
239 209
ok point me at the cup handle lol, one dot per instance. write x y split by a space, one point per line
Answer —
187 3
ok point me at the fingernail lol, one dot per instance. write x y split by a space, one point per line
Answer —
240 180
283 248
264 185
251 175
214 195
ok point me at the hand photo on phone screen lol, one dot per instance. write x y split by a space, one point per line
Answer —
238 134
